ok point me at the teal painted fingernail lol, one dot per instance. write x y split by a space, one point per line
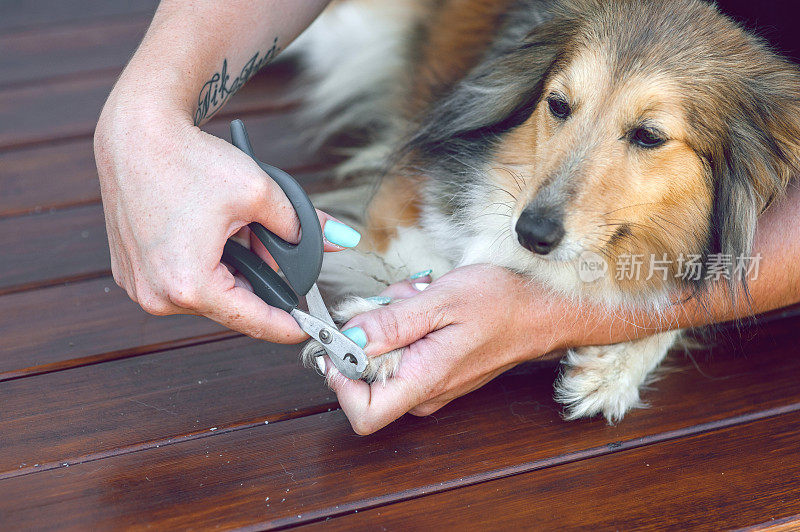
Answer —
341 235
380 300
420 275
357 335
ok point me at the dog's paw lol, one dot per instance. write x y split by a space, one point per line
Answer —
596 380
380 368
383 367
607 379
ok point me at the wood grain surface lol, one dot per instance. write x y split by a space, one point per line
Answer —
57 14
46 54
68 109
111 418
85 322
314 467
68 417
724 479
48 176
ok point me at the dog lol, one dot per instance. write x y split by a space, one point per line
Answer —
530 134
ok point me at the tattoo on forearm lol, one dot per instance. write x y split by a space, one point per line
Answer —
217 90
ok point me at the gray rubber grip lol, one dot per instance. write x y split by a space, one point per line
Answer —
265 282
300 263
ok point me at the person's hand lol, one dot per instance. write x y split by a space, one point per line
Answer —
172 195
462 330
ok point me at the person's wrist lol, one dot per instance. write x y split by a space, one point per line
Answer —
541 320
128 113
141 101
130 125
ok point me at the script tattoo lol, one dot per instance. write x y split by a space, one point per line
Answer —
217 90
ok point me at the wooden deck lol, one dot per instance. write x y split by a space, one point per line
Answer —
111 418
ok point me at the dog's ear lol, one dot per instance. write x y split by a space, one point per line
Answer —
498 94
757 157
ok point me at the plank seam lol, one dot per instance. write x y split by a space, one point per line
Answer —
519 469
72 76
12 31
49 283
34 141
52 208
163 442
119 354
21 212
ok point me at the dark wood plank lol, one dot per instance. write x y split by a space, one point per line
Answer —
69 108
48 176
63 245
53 52
53 247
23 13
725 479
87 322
310 468
59 175
95 411
69 245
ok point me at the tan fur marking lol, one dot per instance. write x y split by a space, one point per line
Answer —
396 204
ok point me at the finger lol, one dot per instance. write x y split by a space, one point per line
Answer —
268 205
271 208
432 404
408 287
258 248
401 323
428 408
120 267
337 235
235 307
151 295
339 231
371 407
241 281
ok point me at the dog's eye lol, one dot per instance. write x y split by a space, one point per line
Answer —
647 138
559 107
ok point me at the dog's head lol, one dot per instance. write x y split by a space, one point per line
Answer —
650 129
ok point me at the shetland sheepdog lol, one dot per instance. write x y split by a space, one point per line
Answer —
531 134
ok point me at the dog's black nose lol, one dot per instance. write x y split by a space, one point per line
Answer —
539 233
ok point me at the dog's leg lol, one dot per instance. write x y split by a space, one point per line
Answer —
379 368
607 379
392 248
387 254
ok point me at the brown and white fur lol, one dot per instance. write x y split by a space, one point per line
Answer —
656 128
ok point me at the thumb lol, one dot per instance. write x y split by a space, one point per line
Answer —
266 203
270 207
372 407
401 323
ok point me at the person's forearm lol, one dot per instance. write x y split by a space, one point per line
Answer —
195 55
172 193
778 282
777 285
